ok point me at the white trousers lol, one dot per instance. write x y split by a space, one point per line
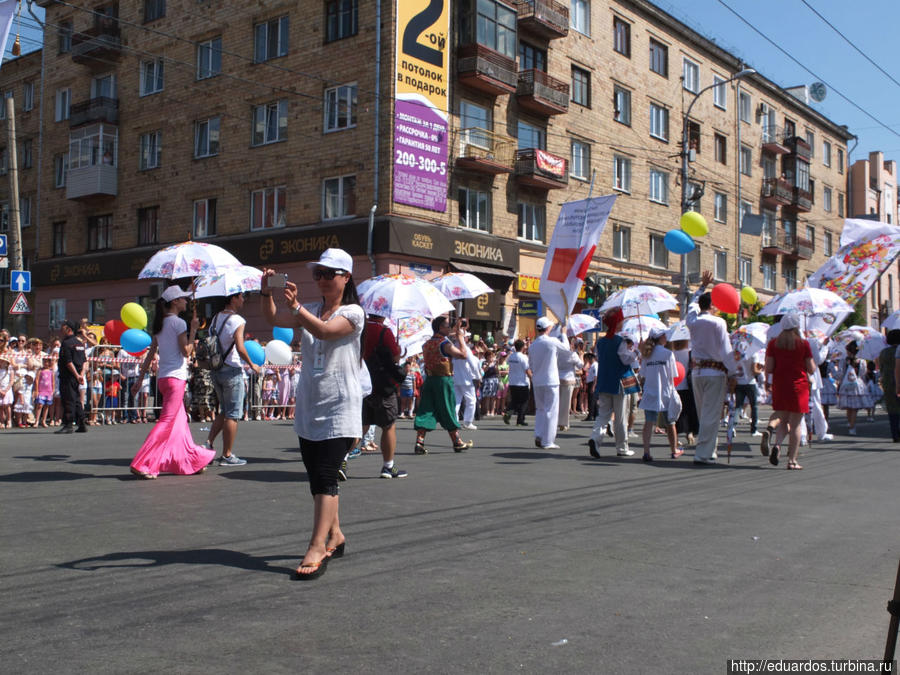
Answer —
546 411
565 402
609 405
709 394
465 392
820 424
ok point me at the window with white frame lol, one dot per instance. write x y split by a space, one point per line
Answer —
746 271
690 75
720 93
25 211
60 168
580 166
811 142
209 58
826 198
104 86
746 210
580 16
659 255
270 122
720 146
659 122
790 278
768 166
474 209
840 160
826 153
340 107
204 223
621 242
150 150
659 186
746 160
338 197
768 275
152 76
811 237
532 222
769 227
531 136
64 37
720 260
721 207
622 105
745 107
341 19
270 39
622 173
28 96
828 245
63 102
206 137
268 208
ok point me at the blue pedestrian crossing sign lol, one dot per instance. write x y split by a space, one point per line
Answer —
20 281
2 244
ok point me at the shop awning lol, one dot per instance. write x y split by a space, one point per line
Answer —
482 269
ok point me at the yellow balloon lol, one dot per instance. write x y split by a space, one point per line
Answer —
133 315
748 295
694 224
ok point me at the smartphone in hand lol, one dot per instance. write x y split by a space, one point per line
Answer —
278 281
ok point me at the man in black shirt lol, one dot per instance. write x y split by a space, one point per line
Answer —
71 374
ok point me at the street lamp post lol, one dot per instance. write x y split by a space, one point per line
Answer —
685 170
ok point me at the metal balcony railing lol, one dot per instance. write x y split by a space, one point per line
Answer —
482 146
98 109
545 17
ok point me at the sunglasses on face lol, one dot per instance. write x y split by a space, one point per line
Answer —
326 273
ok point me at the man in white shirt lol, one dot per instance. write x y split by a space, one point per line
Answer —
544 355
713 371
228 380
519 374
464 376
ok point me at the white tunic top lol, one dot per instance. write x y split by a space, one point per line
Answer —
328 394
172 363
544 354
658 371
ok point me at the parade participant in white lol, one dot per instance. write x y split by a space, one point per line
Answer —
544 354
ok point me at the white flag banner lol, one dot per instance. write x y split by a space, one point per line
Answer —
7 12
856 266
569 255
857 229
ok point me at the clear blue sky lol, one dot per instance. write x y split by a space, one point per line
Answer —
872 25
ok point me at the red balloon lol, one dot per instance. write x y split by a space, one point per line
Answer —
726 298
112 331
679 373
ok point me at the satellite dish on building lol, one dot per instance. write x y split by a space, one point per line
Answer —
817 92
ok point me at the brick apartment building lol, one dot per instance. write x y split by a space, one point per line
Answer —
278 129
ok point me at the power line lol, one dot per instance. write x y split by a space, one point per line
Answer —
818 77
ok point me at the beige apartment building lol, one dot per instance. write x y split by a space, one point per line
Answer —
873 196
436 142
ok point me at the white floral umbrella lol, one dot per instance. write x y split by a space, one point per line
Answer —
679 331
892 322
460 285
188 259
869 341
233 280
637 300
806 301
411 333
750 338
637 328
579 323
398 296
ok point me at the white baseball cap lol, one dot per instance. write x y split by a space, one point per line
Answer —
789 321
656 332
174 292
335 258
544 323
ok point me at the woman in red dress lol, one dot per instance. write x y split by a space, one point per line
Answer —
789 364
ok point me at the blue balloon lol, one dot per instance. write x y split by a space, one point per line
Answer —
286 335
255 351
677 241
134 340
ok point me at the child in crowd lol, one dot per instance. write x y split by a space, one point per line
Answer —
24 388
660 403
113 389
407 390
44 395
270 394
873 390
6 392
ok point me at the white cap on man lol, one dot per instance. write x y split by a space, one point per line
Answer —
335 258
544 323
174 292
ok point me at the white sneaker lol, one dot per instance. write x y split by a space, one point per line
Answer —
625 453
827 437
470 426
632 434
757 433
852 431
552 446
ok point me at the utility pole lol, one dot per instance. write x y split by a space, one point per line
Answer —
15 231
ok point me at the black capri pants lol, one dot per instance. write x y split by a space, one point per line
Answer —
322 460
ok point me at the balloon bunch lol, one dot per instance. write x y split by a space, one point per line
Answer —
277 351
129 332
681 241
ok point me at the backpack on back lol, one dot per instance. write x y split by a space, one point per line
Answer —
209 349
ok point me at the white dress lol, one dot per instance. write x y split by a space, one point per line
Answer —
852 392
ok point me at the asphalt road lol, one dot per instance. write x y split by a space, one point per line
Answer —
504 558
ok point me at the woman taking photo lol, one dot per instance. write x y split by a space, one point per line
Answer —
330 416
789 364
170 448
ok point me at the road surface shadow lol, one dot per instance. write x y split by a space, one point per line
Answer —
201 556
267 476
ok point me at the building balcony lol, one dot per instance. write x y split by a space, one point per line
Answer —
777 192
542 94
799 147
801 200
777 243
485 152
801 249
102 42
484 69
543 18
540 169
773 140
92 181
99 109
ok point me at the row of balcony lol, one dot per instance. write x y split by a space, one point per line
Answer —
787 244
97 44
485 152
779 192
779 141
